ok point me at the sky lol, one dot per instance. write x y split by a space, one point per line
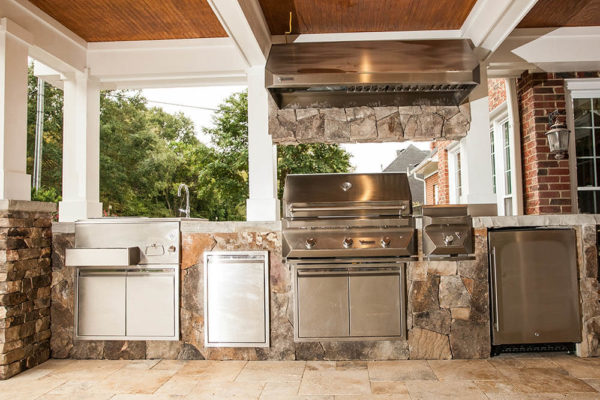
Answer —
366 157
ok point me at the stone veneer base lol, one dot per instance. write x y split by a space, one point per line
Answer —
448 313
25 278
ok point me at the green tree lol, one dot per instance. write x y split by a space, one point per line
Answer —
226 177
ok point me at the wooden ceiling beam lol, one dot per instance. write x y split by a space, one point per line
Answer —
245 24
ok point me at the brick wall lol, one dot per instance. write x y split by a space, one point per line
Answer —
546 180
430 182
443 183
25 278
496 92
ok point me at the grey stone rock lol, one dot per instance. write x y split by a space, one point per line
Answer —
87 350
124 350
166 350
309 351
475 269
423 295
428 345
310 128
390 128
363 129
437 321
189 352
453 292
192 289
469 339
456 127
383 112
303 113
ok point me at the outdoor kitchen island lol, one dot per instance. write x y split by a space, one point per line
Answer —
448 302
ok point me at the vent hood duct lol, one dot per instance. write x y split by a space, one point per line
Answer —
372 73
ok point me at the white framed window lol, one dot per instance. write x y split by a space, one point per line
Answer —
455 179
503 161
583 117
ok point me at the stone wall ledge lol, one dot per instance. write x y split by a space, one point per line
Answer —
188 226
29 206
537 220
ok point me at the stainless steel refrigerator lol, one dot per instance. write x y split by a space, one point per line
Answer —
534 287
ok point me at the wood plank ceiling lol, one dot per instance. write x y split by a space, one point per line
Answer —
559 13
114 20
327 16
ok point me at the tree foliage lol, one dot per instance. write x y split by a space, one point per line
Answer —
145 153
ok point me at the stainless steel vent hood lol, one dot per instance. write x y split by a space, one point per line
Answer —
372 73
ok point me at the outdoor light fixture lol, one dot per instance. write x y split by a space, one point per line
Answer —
558 136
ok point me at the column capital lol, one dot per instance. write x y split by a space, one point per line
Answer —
11 28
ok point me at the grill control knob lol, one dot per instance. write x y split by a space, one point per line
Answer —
347 243
386 242
310 243
448 240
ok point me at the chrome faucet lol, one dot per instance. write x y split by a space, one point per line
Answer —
186 211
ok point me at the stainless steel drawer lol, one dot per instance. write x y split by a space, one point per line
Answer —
150 303
322 303
236 299
101 303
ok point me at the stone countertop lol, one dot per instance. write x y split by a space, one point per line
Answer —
203 226
537 220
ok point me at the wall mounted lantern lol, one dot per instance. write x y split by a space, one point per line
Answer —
558 136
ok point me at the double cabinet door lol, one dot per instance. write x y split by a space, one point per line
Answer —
113 303
349 303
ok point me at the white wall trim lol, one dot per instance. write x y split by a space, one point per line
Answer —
583 87
514 121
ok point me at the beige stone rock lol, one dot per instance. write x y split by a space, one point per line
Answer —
461 313
453 292
417 270
363 129
428 345
442 267
306 113
390 128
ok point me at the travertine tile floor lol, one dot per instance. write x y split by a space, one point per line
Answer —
530 376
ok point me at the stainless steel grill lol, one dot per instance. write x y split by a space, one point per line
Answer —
346 238
348 215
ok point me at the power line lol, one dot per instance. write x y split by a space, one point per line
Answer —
182 105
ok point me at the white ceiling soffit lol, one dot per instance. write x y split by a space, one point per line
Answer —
547 49
564 49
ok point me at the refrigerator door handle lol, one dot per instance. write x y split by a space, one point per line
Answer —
495 290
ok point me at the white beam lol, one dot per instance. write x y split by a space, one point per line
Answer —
245 24
166 63
491 21
364 36
262 155
15 184
48 74
52 43
81 150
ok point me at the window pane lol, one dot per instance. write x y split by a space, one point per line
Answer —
583 142
586 201
585 172
508 206
493 154
508 182
581 112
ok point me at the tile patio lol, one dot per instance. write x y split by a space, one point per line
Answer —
531 376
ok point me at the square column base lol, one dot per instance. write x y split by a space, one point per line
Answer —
16 186
73 210
262 209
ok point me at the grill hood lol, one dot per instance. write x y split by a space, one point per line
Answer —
372 73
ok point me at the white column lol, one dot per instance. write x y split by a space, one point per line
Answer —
81 149
263 204
476 149
15 184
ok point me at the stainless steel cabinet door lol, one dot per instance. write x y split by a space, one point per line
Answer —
375 304
101 303
322 301
151 304
236 309
535 296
